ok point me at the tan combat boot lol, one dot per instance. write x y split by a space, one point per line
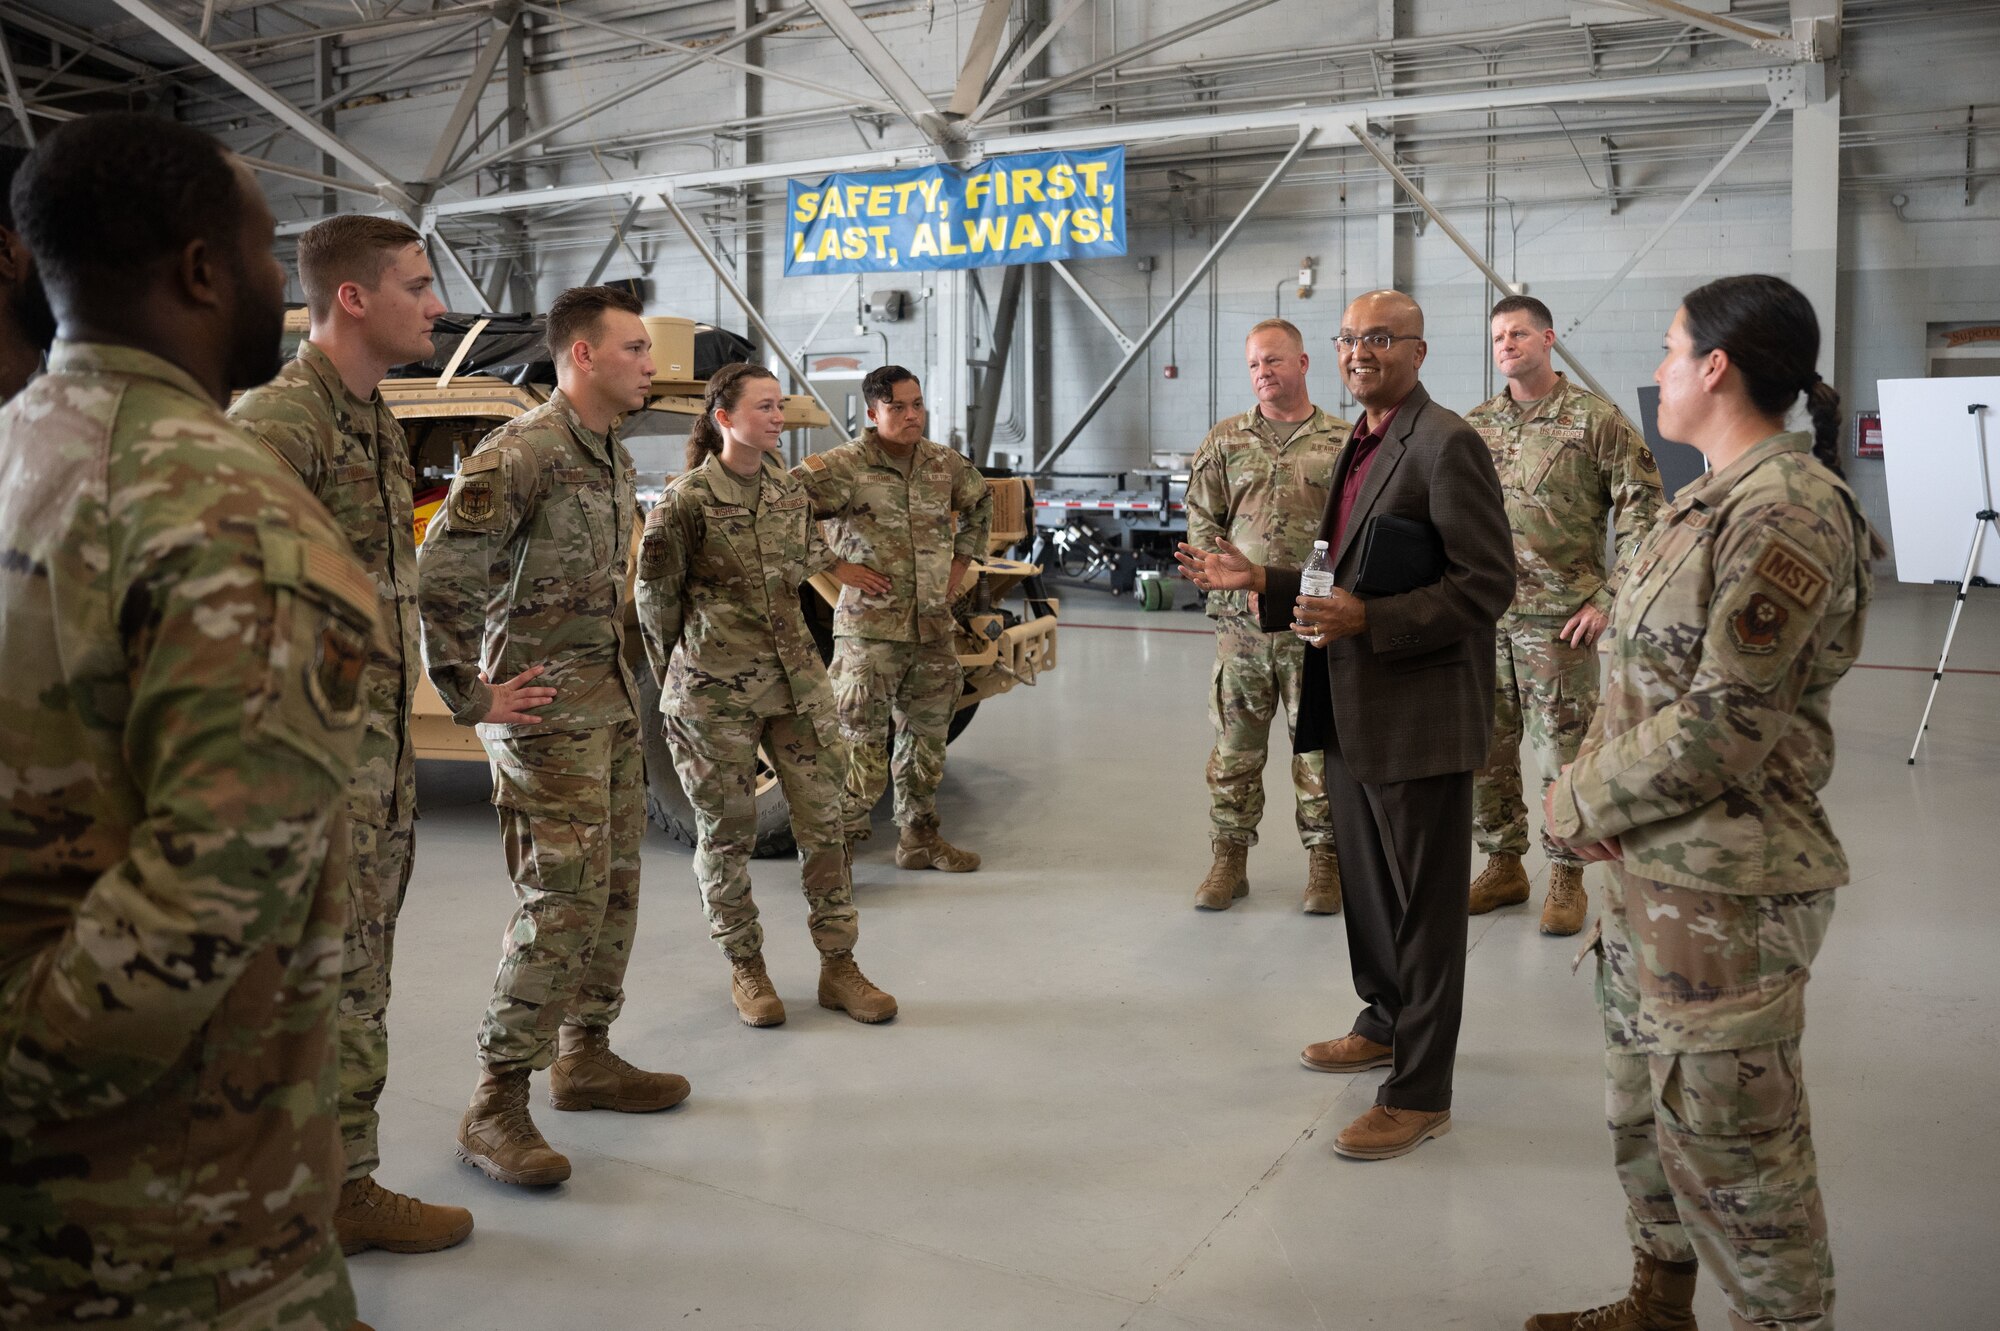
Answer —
1227 877
1322 883
497 1136
1661 1299
1502 883
1567 904
587 1075
370 1216
750 988
844 988
925 849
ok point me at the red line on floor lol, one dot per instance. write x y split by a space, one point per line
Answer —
1133 628
1209 633
1925 670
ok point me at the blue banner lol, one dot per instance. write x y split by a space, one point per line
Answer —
1028 208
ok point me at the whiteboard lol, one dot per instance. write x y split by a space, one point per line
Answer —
1929 450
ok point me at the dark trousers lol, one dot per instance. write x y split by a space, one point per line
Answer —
1405 859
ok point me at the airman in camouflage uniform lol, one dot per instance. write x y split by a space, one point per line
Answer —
182 640
528 563
1701 774
1567 460
1261 484
719 575
352 455
916 515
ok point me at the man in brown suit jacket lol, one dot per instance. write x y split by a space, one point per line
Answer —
1399 694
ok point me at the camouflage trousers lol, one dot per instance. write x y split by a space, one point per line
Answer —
378 878
717 764
1256 673
572 815
1703 998
1547 689
913 685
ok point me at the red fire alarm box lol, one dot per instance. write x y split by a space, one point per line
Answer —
1868 434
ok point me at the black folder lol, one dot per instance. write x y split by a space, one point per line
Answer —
1398 555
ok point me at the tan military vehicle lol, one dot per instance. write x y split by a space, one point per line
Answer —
1000 647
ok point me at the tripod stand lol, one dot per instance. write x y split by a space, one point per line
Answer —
1985 517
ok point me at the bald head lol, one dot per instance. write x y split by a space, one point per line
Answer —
1381 376
1385 308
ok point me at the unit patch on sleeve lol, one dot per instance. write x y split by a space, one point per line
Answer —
1757 626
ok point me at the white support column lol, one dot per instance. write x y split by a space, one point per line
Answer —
1816 191
1389 269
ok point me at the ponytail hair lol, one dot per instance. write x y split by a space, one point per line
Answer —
725 390
1772 336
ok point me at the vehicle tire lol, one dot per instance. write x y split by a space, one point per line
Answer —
667 804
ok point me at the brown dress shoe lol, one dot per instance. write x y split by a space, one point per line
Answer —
1503 882
1384 1132
1661 1299
1350 1053
370 1216
587 1075
1322 883
1567 905
1227 878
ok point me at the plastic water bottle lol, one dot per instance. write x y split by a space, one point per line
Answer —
1316 578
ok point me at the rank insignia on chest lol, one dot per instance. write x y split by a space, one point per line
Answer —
1755 628
335 678
474 501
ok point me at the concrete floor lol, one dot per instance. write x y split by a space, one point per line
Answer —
1091 1114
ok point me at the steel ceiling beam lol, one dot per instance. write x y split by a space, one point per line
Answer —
1328 118
1417 196
1024 59
610 250
1756 34
390 189
469 97
884 68
14 92
1090 303
651 81
1117 58
979 58
1166 314
749 307
1680 210
460 266
712 55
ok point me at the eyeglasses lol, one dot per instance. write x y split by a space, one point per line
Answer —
1374 341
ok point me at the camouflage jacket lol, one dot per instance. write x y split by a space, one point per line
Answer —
903 529
1565 463
718 597
527 563
1265 500
352 455
1712 737
183 636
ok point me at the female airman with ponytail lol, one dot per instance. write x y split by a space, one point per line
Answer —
721 563
1698 784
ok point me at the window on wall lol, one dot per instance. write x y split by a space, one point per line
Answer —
1963 350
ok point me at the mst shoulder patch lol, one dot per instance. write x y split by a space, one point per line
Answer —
1793 572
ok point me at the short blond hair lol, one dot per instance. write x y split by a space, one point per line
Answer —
1285 326
350 248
